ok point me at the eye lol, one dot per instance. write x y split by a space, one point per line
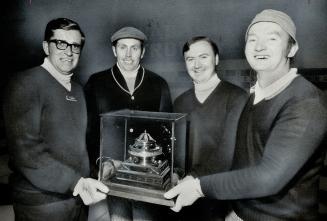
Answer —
76 46
122 47
135 48
189 59
251 39
61 44
204 56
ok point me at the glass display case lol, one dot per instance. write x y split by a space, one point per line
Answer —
142 153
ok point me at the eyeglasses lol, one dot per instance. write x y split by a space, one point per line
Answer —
63 45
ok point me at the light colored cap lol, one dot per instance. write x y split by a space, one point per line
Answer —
278 17
128 32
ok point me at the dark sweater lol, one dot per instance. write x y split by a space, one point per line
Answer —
211 143
212 127
45 126
103 94
278 158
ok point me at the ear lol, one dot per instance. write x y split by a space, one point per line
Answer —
114 50
45 45
293 50
143 51
216 59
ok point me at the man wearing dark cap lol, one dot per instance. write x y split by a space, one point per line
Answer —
278 155
127 85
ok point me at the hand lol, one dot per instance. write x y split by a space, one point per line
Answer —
188 177
109 168
90 190
187 192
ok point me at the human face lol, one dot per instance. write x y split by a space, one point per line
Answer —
267 49
200 61
63 61
129 53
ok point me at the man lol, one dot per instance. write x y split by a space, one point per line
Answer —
277 157
45 121
213 108
127 85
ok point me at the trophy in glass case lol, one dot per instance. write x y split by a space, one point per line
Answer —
141 153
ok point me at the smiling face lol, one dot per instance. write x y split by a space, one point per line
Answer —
267 49
200 61
63 61
129 53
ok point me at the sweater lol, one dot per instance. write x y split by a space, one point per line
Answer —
277 157
212 127
45 126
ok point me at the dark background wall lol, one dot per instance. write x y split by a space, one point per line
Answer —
167 23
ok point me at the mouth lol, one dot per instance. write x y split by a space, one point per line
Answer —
128 61
261 57
66 59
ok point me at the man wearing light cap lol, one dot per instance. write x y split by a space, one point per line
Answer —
278 154
127 85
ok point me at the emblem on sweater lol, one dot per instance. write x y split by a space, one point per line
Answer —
71 98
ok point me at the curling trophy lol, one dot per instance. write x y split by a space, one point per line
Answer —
139 153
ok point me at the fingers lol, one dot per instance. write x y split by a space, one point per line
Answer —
178 205
90 190
172 193
100 186
86 198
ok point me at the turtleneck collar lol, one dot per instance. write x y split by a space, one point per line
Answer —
64 80
203 90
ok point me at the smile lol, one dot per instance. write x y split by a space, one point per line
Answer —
67 60
261 57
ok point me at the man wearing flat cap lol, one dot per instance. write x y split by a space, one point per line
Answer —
126 85
278 153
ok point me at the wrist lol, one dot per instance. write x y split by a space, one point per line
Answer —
198 187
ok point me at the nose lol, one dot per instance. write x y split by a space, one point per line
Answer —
128 52
197 63
69 50
260 45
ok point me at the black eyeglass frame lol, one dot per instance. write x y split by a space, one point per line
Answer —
76 48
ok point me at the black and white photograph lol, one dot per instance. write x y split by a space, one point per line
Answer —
155 110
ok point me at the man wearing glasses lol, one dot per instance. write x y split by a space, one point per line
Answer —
45 120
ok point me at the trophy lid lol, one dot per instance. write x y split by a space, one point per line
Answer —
145 144
145 137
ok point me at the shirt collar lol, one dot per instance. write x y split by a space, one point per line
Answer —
273 89
64 80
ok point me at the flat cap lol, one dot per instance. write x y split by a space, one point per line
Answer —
128 32
278 17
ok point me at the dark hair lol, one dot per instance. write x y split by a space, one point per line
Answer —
62 23
214 46
114 43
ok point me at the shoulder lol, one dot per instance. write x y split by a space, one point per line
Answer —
301 89
233 89
154 77
185 99
99 76
29 78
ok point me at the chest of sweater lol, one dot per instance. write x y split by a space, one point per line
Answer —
63 116
110 97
